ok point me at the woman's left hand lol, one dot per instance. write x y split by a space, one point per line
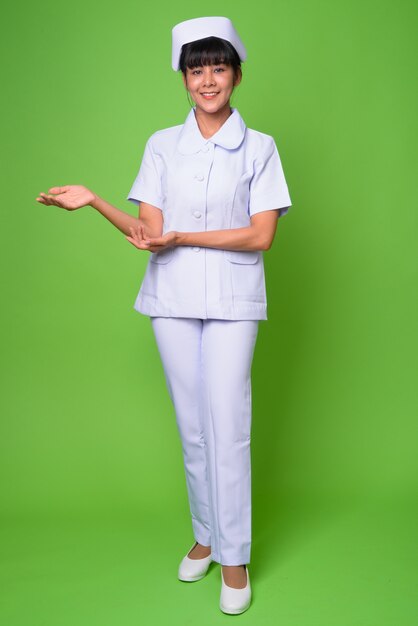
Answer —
153 244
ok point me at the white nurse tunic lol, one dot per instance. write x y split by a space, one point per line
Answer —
208 184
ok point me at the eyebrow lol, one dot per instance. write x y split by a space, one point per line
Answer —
213 64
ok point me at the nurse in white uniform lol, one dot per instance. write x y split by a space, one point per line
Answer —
209 192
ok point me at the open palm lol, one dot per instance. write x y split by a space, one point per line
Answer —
69 197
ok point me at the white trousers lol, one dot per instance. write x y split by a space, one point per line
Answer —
207 366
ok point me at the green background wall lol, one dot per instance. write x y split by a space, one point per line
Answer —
87 430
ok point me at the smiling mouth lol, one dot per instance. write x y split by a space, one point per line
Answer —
209 94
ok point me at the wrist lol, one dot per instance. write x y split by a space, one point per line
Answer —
93 203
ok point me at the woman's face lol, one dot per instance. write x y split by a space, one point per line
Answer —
211 86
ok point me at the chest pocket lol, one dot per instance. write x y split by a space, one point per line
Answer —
165 256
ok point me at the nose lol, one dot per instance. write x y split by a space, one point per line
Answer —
208 77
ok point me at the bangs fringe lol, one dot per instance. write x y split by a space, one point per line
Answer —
208 51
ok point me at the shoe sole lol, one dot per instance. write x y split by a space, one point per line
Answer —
194 579
191 580
235 611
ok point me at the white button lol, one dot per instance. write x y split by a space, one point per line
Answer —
197 214
199 177
196 248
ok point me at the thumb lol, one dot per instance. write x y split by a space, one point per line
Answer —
59 189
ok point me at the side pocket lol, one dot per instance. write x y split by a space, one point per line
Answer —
244 257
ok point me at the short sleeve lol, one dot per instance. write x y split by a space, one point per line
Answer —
268 187
147 184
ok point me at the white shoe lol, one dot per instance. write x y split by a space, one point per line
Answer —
233 600
193 569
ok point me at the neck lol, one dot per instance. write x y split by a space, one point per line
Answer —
210 123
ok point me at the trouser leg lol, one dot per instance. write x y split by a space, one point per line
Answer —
227 353
179 345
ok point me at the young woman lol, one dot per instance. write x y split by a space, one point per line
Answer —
209 193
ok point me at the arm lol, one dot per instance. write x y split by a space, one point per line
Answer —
258 236
72 197
149 216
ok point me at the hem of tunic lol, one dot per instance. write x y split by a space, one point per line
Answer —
237 311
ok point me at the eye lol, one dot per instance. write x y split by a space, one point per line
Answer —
196 71
219 69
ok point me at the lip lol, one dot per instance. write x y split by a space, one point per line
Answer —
209 97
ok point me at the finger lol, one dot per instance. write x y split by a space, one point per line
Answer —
132 241
140 231
52 200
144 236
46 201
49 199
57 202
139 234
44 197
59 189
135 243
132 231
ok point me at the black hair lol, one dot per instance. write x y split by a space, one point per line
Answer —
209 51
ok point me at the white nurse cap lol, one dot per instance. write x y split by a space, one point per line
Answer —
200 27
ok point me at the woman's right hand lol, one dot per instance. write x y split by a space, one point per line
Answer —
69 197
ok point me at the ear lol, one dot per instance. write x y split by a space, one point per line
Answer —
238 77
184 80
